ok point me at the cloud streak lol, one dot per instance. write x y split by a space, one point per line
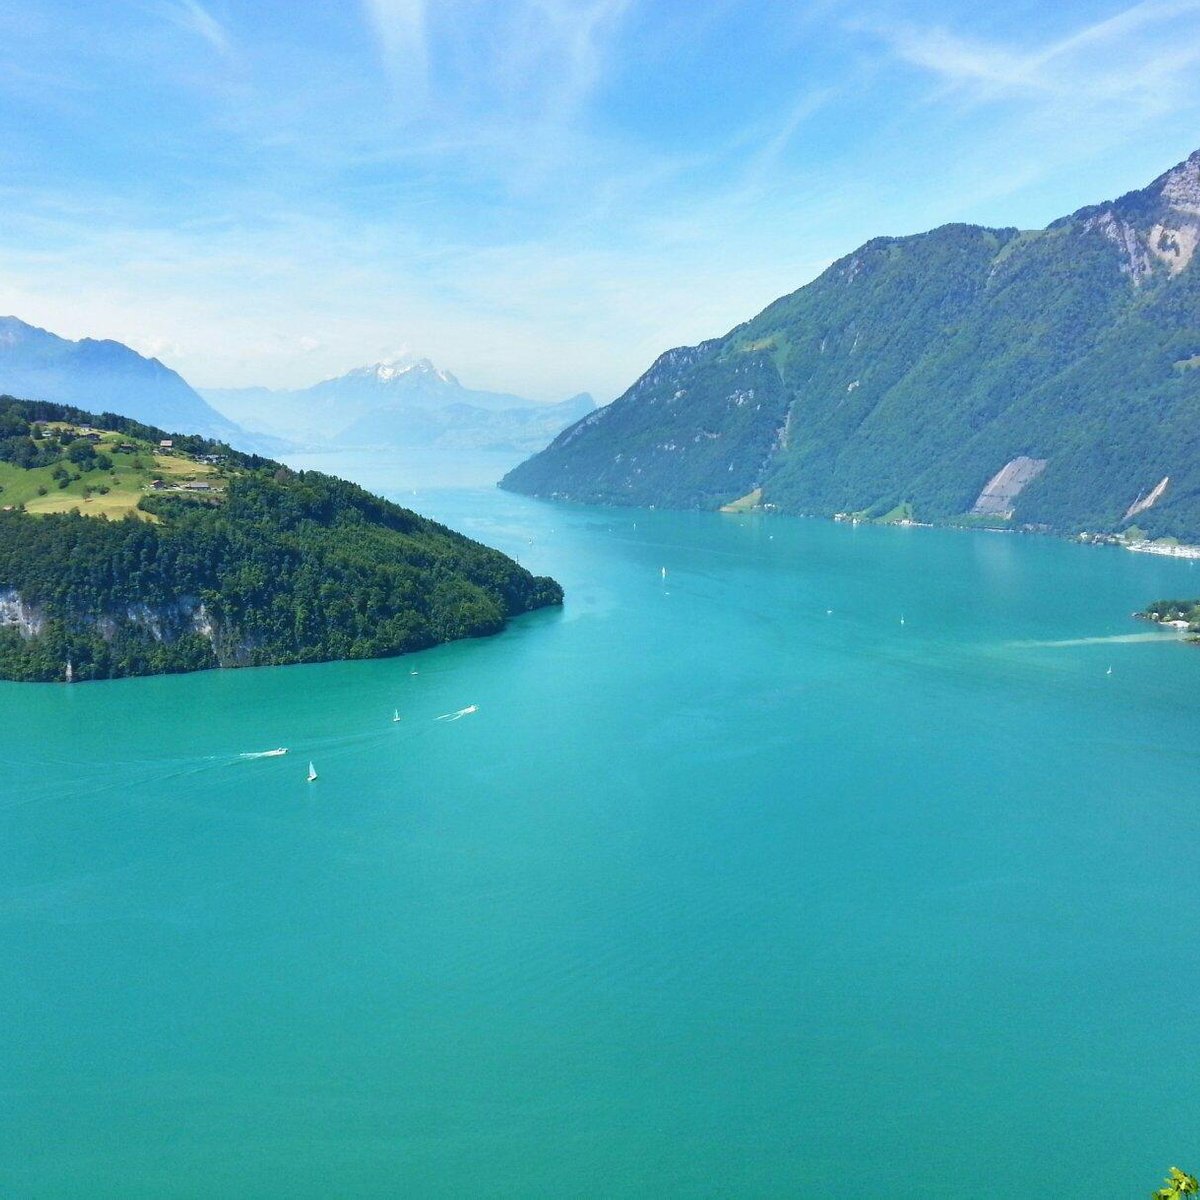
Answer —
538 194
399 28
1103 61
196 19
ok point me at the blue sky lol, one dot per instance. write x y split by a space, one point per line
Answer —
540 195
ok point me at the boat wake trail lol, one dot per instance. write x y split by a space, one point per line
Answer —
462 712
263 754
1099 641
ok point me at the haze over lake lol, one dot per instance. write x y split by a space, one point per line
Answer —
835 853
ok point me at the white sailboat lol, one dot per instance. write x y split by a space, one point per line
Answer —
312 771
395 715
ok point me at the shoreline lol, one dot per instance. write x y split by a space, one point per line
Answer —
1174 550
741 507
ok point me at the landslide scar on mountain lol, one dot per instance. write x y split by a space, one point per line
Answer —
996 499
1144 502
910 366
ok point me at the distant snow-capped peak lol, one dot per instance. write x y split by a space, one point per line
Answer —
392 369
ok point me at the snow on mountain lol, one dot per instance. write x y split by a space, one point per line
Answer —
401 401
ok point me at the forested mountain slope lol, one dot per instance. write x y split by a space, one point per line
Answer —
222 559
917 369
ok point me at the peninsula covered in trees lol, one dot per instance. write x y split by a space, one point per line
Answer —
1182 614
128 551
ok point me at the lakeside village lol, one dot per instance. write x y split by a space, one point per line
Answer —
1131 539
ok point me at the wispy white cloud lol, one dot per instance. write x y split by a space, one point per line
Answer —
1123 25
538 208
196 19
1135 54
962 61
501 86
555 52
399 27
296 298
1025 111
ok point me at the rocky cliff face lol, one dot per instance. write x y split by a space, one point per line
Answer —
164 624
914 369
1158 226
15 613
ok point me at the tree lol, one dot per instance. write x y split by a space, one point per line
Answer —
1177 1183
82 452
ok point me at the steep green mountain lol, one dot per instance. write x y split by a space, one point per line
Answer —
221 558
1037 378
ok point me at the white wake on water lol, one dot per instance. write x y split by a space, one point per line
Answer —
462 712
1098 641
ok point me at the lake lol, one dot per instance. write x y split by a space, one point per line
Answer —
834 859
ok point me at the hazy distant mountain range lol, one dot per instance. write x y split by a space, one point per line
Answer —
103 376
406 401
1044 377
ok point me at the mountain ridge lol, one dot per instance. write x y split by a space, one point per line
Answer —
102 373
399 401
914 369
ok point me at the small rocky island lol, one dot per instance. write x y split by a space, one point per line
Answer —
128 551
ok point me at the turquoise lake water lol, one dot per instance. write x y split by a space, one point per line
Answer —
718 893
